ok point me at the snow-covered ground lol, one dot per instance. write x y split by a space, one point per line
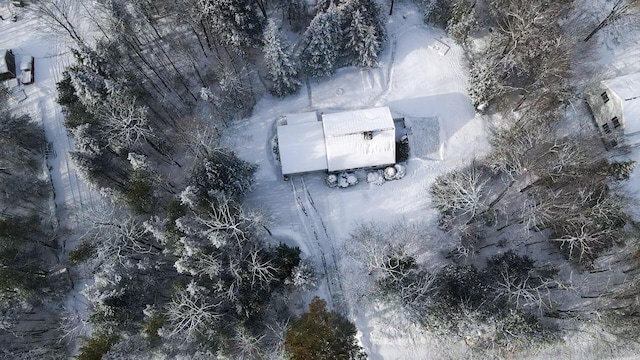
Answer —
421 77
26 37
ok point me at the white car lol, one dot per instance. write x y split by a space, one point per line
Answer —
26 70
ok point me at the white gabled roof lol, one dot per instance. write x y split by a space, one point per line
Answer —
627 88
357 121
302 147
354 151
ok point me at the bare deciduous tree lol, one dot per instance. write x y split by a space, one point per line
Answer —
461 192
620 10
191 314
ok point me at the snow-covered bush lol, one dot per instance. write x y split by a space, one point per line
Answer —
346 179
331 180
303 276
401 171
485 85
375 177
390 173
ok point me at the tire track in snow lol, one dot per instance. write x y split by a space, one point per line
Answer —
320 241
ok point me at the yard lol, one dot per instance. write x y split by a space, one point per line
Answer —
418 83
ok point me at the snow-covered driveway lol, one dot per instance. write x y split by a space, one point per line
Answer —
25 37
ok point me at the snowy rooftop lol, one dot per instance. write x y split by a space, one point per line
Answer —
355 151
357 121
627 88
302 147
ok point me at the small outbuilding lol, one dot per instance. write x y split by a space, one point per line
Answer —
615 105
338 141
7 65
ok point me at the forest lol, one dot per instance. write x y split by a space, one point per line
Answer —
180 267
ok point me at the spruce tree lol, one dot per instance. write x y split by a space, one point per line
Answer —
277 57
322 43
236 22
321 334
362 42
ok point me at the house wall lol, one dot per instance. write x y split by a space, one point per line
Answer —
603 113
8 66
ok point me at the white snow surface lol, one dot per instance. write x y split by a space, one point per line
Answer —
429 91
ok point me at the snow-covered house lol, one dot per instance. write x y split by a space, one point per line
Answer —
340 141
7 65
615 105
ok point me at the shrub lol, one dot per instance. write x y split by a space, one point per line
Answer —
402 151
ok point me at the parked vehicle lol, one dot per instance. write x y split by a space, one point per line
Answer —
26 68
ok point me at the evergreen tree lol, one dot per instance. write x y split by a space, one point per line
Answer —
277 57
321 5
362 42
323 43
236 22
371 14
321 334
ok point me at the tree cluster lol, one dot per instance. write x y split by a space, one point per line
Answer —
527 52
29 275
493 308
351 32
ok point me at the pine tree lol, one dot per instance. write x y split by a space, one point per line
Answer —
277 57
371 14
362 42
236 21
322 334
321 5
323 43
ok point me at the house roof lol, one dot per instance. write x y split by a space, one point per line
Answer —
354 151
347 147
627 88
338 142
302 147
357 121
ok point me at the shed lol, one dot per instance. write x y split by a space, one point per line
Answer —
615 105
7 65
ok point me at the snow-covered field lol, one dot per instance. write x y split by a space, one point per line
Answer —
419 81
